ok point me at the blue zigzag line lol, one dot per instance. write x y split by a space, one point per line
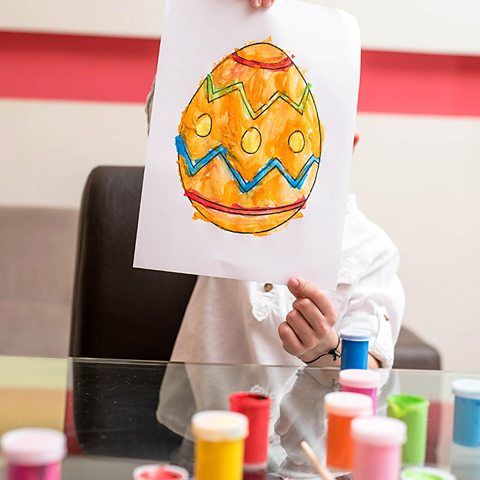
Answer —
245 186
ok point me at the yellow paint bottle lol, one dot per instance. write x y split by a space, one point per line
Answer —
219 444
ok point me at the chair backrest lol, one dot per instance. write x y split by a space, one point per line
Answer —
119 311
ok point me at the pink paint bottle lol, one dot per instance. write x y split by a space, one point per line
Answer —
33 453
365 382
378 448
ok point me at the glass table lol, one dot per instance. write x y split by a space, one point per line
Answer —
119 414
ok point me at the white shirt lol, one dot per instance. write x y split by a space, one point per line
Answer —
234 321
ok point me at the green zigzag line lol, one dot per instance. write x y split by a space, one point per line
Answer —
214 93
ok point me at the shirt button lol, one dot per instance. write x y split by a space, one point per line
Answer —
268 287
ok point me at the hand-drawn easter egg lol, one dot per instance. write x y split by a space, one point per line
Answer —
250 142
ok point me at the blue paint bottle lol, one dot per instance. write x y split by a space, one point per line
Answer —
466 423
354 348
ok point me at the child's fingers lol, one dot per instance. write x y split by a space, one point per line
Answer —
302 289
290 341
286 420
313 316
302 329
259 3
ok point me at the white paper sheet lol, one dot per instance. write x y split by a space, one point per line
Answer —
235 178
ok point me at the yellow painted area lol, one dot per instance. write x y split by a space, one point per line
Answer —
296 141
282 131
251 140
32 392
204 125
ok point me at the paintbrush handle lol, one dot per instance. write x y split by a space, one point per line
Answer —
321 470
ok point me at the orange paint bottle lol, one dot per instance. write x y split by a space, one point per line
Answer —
342 408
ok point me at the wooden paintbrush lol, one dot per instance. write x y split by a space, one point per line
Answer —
320 469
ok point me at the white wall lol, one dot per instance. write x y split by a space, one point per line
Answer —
416 176
50 147
125 18
419 178
413 25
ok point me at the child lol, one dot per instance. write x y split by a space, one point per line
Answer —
232 321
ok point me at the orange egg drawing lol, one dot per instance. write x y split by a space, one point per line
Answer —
250 142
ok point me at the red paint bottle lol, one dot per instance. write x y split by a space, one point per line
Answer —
257 409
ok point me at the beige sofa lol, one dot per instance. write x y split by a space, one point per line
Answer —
37 252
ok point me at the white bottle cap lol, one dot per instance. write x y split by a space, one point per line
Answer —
33 446
359 378
379 431
355 334
466 388
219 425
346 404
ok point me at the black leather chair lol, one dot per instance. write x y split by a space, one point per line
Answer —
122 312
119 311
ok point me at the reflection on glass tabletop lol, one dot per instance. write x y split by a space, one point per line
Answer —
121 414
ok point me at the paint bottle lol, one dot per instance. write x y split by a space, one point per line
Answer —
219 444
257 409
160 472
365 382
341 409
354 348
425 473
413 410
466 423
378 448
33 453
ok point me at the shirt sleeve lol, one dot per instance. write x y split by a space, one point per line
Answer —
376 302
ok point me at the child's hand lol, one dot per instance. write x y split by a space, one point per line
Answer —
302 416
261 3
307 331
